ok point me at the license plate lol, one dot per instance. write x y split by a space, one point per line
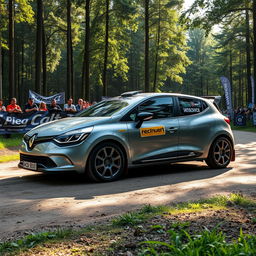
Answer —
29 165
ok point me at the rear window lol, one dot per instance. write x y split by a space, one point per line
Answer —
190 106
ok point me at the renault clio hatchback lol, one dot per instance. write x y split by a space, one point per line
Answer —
133 129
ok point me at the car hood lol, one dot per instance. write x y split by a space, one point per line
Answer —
65 125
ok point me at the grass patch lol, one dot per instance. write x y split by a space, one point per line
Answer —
248 128
31 241
180 236
9 158
214 203
14 141
204 244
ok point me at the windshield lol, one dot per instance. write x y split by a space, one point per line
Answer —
104 108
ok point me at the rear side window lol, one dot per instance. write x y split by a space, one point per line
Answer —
190 106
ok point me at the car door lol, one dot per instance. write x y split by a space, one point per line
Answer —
156 139
195 126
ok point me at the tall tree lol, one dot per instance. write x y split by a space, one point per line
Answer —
86 62
104 75
248 55
254 45
11 50
146 17
1 68
218 11
70 73
39 46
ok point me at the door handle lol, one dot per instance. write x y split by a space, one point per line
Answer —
172 129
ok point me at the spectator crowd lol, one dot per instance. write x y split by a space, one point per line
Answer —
246 111
32 107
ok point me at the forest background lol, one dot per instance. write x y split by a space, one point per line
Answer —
95 48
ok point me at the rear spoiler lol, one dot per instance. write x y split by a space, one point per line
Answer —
213 99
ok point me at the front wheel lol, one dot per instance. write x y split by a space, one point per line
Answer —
220 153
107 162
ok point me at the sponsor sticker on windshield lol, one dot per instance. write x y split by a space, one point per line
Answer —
152 131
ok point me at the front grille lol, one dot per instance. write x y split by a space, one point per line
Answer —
42 161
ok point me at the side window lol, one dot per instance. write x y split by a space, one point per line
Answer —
161 107
190 106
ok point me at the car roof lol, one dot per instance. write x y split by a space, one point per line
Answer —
137 96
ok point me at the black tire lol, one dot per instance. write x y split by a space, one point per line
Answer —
107 162
220 153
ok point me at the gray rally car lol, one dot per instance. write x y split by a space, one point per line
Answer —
131 130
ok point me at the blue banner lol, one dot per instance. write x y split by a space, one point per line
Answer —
23 122
240 120
228 94
60 97
254 118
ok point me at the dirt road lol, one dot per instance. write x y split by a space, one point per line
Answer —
35 201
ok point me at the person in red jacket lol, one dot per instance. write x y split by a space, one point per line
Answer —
13 107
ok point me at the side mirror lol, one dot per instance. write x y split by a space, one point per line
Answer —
143 116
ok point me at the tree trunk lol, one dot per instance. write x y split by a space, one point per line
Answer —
248 56
70 76
11 50
1 66
231 74
22 71
104 75
17 71
254 47
44 63
39 46
240 80
147 86
157 46
86 64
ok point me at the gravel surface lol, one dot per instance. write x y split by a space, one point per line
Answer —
35 201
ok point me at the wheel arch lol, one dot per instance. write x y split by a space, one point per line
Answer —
122 147
229 139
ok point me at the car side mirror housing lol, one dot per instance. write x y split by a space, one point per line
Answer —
143 116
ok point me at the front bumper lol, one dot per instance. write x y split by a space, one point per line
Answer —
49 157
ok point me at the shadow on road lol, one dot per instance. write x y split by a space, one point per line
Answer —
71 184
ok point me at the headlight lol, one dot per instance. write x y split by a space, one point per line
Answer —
73 137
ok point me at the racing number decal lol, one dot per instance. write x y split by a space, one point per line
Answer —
152 131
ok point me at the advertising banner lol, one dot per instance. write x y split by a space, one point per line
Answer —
240 120
228 95
254 118
23 122
253 85
60 97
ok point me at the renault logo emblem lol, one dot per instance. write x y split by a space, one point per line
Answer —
31 140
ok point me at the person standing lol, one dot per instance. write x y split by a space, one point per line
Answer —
2 107
70 108
79 106
30 107
54 107
42 106
13 107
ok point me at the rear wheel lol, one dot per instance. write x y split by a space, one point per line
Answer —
220 153
107 162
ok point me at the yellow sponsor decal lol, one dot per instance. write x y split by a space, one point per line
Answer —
152 131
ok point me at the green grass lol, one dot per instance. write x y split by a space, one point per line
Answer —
181 243
205 243
248 128
214 203
14 141
9 158
32 240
